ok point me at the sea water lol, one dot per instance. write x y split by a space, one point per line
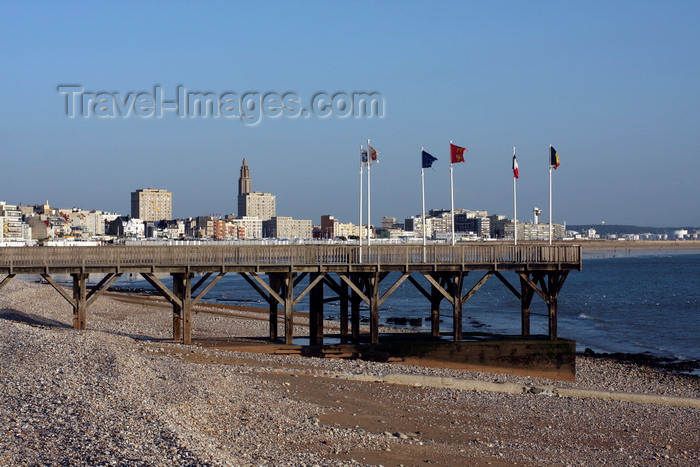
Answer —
632 302
637 303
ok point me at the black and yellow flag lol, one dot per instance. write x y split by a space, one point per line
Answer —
553 157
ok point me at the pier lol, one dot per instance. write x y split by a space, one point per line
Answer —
350 275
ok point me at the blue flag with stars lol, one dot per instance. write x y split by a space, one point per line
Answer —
428 159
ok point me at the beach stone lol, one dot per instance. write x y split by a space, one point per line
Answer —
122 386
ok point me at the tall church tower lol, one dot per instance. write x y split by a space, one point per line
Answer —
253 204
244 189
244 183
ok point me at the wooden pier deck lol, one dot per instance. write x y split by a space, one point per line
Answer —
351 274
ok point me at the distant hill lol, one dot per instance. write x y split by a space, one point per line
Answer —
605 229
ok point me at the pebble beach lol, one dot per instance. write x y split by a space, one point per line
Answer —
123 393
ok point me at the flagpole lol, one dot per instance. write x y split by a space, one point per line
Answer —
369 187
550 194
422 186
452 201
361 187
515 206
452 204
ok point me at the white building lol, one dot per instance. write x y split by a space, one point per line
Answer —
348 229
680 234
128 227
252 225
399 233
416 225
135 228
286 227
528 231
11 228
90 223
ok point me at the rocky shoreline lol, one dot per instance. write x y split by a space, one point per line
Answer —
648 360
122 393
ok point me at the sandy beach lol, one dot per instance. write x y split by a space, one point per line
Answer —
122 393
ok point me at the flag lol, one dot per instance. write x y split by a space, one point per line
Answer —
373 157
516 172
456 154
553 157
363 158
428 159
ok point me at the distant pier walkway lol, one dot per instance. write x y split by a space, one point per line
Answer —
347 274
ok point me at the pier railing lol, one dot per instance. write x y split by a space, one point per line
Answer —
293 255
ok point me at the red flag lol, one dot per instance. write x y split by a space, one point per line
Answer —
456 154
516 172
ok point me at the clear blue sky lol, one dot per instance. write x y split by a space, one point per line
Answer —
612 85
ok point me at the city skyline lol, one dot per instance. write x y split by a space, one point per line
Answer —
611 86
377 225
245 181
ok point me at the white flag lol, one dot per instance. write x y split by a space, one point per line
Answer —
363 158
373 156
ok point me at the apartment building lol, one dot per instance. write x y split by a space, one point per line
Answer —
151 205
286 227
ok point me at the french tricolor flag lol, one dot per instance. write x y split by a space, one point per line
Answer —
516 172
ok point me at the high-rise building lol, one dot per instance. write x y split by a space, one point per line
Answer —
253 203
260 205
152 205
